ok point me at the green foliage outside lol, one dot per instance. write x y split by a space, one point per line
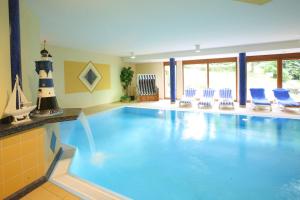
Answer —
290 70
126 79
293 69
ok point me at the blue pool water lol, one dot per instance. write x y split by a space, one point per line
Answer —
153 154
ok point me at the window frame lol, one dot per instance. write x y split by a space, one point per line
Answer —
211 61
257 58
275 57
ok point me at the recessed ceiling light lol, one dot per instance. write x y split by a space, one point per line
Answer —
132 56
197 48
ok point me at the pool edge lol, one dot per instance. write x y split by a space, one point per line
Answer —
82 188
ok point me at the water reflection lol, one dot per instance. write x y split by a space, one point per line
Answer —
195 128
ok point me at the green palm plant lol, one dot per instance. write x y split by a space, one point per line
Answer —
126 79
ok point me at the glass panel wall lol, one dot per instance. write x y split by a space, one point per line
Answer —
291 77
262 74
167 81
223 75
195 76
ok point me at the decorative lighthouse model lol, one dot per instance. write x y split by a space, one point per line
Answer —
46 101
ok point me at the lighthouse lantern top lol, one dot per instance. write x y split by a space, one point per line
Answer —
45 54
46 61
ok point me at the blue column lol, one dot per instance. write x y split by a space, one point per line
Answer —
173 80
242 79
15 42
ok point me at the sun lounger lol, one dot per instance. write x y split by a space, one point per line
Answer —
207 99
259 99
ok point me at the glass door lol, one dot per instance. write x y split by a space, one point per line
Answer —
262 74
291 77
195 76
223 75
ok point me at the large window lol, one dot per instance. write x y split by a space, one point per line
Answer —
195 75
223 75
264 71
291 77
262 74
167 80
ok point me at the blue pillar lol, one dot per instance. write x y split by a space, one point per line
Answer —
242 79
15 42
173 80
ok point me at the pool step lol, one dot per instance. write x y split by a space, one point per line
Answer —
77 186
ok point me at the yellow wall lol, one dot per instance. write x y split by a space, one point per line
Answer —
84 99
72 71
5 86
158 69
25 157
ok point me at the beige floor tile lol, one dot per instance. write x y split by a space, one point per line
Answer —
71 197
25 198
55 190
50 191
42 194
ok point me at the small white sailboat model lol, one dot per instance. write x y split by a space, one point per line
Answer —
18 106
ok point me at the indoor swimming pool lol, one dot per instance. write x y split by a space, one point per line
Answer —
166 154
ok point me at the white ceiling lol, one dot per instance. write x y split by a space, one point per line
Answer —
118 27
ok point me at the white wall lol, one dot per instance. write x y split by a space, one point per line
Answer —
30 50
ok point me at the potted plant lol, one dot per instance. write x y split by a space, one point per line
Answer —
126 79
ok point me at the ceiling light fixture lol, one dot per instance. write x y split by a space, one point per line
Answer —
197 48
132 56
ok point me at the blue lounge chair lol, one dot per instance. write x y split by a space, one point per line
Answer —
207 98
284 100
226 99
259 99
188 97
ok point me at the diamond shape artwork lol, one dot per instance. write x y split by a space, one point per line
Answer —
90 77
